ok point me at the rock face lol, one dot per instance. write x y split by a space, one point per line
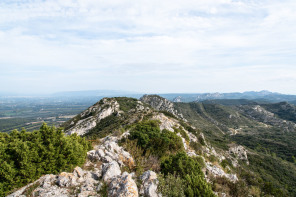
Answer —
161 104
240 152
262 115
88 119
123 186
217 171
109 151
79 183
149 184
110 170
166 122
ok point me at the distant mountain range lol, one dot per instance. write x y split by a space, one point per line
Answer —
261 97
97 93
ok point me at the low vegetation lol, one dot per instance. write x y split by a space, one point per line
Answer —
163 152
150 138
25 156
188 170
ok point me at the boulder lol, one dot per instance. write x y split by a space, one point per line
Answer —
110 151
78 172
149 184
123 186
67 180
110 170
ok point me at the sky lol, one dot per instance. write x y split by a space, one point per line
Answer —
150 46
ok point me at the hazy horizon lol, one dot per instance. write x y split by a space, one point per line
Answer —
147 46
118 92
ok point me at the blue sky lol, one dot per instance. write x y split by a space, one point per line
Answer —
148 45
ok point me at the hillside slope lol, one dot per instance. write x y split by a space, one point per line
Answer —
153 147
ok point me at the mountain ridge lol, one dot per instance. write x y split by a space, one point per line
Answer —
133 139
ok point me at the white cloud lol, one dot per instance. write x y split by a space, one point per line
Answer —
208 45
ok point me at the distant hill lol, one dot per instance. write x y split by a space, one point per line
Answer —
97 93
230 102
262 96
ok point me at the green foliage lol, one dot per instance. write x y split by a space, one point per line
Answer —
196 132
283 110
189 170
196 186
144 160
201 140
212 158
126 104
150 138
226 162
197 147
106 126
270 145
168 114
25 156
276 171
294 159
104 191
181 164
268 142
182 132
238 189
170 186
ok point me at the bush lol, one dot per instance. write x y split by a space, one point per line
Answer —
181 164
143 162
170 186
25 156
150 138
189 170
182 132
196 146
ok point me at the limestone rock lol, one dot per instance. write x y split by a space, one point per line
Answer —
165 122
88 119
66 180
217 171
110 151
149 184
110 170
78 172
161 104
79 183
123 186
240 152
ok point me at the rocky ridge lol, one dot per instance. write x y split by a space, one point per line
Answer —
260 114
88 119
161 104
105 164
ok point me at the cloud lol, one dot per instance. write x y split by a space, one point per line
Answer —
208 45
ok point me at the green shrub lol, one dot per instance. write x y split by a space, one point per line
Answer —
189 170
212 158
182 132
143 161
170 186
126 104
150 138
25 156
226 162
181 164
196 186
196 146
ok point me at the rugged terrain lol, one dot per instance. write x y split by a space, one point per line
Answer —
136 142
